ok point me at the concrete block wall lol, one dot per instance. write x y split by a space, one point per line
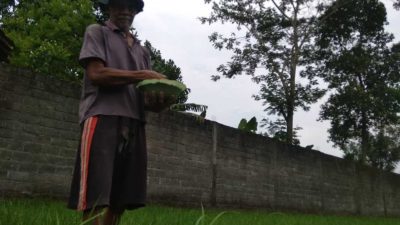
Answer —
179 159
38 133
189 163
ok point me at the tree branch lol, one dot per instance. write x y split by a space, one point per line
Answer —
282 111
292 3
281 78
280 10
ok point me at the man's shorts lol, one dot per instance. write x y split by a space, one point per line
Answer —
111 162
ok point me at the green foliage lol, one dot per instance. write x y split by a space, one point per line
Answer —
363 72
7 4
272 41
383 149
277 130
190 107
48 35
100 12
250 126
6 7
396 4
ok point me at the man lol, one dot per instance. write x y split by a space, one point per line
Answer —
110 171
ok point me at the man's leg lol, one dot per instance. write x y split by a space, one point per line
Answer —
89 214
109 217
112 217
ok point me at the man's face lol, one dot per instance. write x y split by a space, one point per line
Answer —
122 16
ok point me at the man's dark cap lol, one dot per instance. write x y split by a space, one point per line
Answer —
137 4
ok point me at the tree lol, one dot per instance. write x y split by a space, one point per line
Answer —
363 73
396 4
99 12
277 130
6 7
272 42
48 35
385 149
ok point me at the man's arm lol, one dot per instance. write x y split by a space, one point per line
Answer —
105 76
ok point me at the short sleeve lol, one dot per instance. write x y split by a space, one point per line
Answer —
147 58
93 45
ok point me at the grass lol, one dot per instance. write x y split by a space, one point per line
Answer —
45 212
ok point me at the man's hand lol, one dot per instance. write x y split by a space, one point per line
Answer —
154 75
101 75
158 101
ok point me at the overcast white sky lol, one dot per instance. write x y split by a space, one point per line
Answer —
173 28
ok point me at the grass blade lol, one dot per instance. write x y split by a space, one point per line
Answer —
201 218
92 218
217 217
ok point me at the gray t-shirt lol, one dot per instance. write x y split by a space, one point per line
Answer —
108 44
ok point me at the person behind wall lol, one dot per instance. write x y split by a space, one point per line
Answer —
111 163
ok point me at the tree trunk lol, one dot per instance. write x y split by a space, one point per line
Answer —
364 138
294 58
290 104
364 122
289 128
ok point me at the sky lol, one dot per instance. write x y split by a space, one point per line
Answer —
173 28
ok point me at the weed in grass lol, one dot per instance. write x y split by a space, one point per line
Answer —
93 217
201 219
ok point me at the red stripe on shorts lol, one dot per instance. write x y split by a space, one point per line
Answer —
86 142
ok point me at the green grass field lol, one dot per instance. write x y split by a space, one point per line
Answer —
44 212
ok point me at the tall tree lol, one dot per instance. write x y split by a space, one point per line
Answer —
271 44
362 70
6 7
385 149
396 4
100 12
48 35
